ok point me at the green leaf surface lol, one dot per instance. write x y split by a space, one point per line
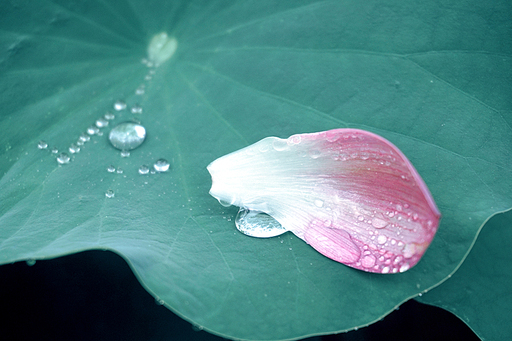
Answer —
479 293
434 80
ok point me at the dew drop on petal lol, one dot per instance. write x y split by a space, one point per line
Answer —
319 203
63 158
379 223
161 165
110 193
143 169
368 261
42 145
127 136
257 224
119 105
381 239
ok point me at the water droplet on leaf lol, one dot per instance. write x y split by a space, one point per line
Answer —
111 169
42 145
143 169
101 122
127 136
257 224
136 109
119 105
74 149
110 193
63 158
161 165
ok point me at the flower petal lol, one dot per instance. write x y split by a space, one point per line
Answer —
350 194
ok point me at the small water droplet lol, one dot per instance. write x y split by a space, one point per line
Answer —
84 137
280 144
147 77
161 165
109 116
42 145
385 269
111 169
159 301
127 136
379 223
136 109
119 171
125 153
381 239
80 142
315 154
92 130
360 218
74 149
368 261
319 203
30 262
63 158
140 90
257 224
119 105
101 122
110 193
143 169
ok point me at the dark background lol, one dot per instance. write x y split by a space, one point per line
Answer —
94 295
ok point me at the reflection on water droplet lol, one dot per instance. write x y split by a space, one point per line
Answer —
74 149
258 224
42 145
143 169
136 109
63 158
110 193
109 116
161 165
111 169
125 153
101 122
92 130
119 105
127 136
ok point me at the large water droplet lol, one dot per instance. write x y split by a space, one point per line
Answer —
258 224
110 193
42 145
161 165
119 105
143 169
63 158
127 136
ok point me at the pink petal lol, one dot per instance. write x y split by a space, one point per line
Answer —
350 194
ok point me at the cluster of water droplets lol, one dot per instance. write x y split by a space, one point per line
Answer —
125 136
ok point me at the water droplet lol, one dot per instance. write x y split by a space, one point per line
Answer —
30 262
119 105
111 169
381 239
143 169
360 218
159 301
140 90
280 144
92 130
315 153
379 223
63 158
319 203
74 149
147 77
125 153
368 261
101 122
257 224
84 137
136 109
119 171
80 142
127 136
110 193
109 116
161 165
54 150
385 269
42 145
